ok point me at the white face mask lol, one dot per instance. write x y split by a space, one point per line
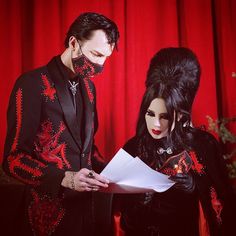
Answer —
157 119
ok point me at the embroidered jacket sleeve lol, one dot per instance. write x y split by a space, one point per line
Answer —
223 192
214 184
23 120
215 165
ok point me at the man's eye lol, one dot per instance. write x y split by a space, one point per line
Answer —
96 55
150 113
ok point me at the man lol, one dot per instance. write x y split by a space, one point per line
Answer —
51 124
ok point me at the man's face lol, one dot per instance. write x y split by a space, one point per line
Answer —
157 120
96 49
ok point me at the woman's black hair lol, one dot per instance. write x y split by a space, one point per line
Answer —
86 23
174 76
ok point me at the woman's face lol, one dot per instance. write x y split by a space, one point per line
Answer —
157 119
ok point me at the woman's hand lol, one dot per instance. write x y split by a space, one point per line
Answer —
84 180
184 182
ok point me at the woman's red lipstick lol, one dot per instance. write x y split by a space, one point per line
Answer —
156 132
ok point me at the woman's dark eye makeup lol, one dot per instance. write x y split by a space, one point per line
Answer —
161 116
150 113
164 116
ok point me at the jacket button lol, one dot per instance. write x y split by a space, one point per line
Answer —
82 155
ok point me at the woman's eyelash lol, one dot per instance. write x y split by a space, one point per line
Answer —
162 116
150 113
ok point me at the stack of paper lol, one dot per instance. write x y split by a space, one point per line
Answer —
131 175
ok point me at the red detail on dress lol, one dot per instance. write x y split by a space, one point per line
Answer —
198 167
216 204
49 91
168 171
45 214
180 163
48 146
18 118
16 164
90 94
203 224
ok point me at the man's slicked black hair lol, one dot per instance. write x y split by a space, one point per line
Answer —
86 23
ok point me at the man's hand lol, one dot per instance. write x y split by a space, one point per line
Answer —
184 182
84 180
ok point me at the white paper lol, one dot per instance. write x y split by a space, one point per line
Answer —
132 175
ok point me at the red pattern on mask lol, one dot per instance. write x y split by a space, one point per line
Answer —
198 167
45 214
48 145
16 163
49 91
84 67
89 91
18 118
216 204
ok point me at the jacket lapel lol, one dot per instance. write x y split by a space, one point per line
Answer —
88 112
60 77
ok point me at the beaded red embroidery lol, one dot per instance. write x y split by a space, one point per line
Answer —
48 145
90 94
198 167
49 91
18 118
45 214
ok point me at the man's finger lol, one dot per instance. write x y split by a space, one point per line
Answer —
95 182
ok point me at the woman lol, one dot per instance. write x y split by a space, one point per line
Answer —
164 135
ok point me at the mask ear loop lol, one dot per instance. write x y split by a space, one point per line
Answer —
81 52
80 48
94 64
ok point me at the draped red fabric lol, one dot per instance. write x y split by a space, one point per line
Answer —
34 31
226 65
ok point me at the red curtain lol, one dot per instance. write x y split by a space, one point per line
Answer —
32 31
